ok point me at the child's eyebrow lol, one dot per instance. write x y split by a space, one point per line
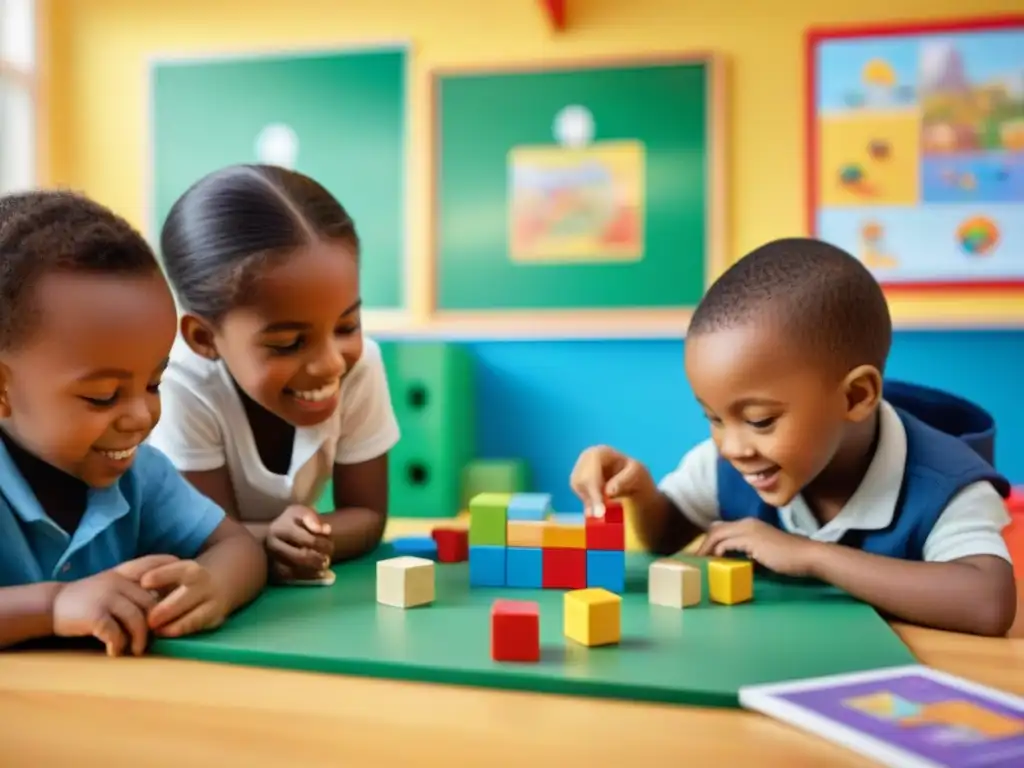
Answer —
106 373
748 401
294 325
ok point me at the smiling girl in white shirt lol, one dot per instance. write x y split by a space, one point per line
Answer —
272 388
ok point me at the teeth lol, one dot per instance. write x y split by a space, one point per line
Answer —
316 395
119 455
755 476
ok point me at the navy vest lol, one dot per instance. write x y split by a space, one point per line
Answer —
940 463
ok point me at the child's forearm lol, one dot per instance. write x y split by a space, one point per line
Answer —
661 528
976 595
355 531
26 612
237 562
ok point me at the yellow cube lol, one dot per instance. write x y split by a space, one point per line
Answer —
525 533
593 616
565 536
730 581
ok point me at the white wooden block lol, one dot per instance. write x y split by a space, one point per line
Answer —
673 584
405 582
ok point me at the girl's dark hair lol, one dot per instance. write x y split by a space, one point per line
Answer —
44 231
229 223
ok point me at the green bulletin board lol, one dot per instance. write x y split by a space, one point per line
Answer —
339 117
585 194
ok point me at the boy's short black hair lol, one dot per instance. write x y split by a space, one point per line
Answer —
43 231
819 295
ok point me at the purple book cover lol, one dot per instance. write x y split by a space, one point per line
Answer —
909 712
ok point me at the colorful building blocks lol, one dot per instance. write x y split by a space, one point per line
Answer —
673 583
515 630
516 541
593 616
405 582
416 546
730 581
452 544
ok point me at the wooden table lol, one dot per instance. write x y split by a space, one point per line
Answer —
79 709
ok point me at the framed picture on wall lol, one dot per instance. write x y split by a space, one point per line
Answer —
916 152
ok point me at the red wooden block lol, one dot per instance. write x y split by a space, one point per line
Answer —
515 630
604 535
564 568
452 544
613 511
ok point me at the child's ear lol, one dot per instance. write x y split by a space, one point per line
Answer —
863 388
5 402
199 336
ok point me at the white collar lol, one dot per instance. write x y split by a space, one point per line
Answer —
873 505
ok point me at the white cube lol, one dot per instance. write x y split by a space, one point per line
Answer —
673 584
405 582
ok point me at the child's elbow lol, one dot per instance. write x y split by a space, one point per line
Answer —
996 615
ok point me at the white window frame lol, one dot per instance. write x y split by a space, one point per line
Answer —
28 80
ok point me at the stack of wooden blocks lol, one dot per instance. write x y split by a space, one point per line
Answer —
515 541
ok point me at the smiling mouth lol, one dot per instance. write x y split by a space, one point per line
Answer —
325 392
762 479
119 455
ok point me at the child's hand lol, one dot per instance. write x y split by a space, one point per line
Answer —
299 544
111 606
192 601
602 472
776 550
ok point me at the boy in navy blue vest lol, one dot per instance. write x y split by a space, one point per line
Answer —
812 469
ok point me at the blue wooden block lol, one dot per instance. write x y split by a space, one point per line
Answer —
607 569
569 518
524 567
416 546
486 566
529 506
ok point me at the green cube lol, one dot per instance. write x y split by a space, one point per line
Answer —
494 476
488 519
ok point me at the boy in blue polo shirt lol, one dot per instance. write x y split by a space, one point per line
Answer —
99 534
810 470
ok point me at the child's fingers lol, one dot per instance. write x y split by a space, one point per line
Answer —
197 619
296 557
174 606
310 520
131 618
137 568
297 536
109 632
716 533
625 480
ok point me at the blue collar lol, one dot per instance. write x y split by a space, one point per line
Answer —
103 505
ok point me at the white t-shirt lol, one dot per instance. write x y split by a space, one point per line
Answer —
971 523
204 426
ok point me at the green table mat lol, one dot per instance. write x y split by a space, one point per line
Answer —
699 655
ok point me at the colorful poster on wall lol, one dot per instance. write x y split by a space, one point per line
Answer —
918 152
579 204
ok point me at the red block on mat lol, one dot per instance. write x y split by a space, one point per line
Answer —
452 544
613 511
515 630
605 535
564 568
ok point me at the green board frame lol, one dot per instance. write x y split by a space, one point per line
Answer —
673 105
347 108
699 655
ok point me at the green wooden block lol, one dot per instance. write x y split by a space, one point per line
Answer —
488 519
432 393
494 475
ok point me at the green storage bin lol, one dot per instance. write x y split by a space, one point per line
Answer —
432 392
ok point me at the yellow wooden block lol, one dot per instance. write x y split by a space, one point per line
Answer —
730 581
525 533
593 616
565 536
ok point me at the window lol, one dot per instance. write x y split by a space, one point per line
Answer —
17 95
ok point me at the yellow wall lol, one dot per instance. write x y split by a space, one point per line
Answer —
98 57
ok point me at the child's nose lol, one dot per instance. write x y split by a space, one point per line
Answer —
138 416
734 446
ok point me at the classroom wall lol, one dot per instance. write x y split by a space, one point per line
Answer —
547 400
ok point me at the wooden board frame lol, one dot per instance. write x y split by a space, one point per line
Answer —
935 305
572 323
387 320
